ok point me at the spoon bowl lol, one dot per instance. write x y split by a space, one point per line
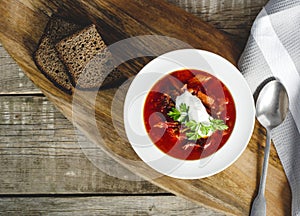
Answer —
272 105
271 109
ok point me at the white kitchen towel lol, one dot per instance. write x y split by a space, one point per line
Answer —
273 50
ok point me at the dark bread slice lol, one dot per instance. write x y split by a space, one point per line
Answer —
88 59
99 73
47 60
46 57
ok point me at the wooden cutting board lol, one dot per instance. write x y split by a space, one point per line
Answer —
231 191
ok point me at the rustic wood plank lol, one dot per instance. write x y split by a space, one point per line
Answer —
226 17
221 191
103 205
234 17
40 154
13 80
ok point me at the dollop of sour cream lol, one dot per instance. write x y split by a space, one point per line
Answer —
197 111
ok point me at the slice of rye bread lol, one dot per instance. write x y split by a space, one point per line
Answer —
99 73
88 59
46 57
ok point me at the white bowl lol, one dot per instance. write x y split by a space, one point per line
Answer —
189 59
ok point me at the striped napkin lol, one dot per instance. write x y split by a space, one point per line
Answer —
273 50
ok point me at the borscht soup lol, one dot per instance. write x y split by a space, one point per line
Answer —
189 114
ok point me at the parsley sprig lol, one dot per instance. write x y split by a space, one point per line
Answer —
196 130
180 115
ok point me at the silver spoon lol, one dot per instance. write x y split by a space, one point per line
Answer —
271 109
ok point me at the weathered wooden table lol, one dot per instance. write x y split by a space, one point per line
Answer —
42 168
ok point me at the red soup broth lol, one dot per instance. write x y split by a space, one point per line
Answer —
167 134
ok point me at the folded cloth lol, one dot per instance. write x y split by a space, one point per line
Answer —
273 50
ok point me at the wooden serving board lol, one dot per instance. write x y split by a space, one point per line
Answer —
231 191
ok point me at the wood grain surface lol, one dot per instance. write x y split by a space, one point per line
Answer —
57 164
101 205
233 201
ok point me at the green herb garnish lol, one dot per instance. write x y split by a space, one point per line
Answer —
180 115
196 130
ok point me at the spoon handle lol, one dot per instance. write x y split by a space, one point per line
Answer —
263 178
259 204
